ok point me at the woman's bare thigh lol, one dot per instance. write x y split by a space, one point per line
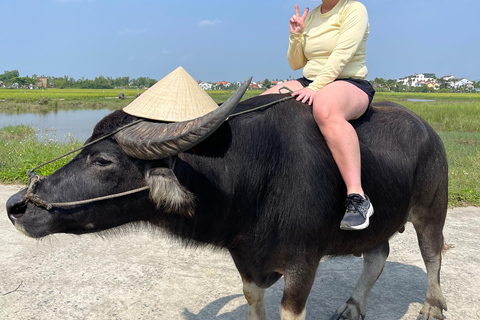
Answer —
341 98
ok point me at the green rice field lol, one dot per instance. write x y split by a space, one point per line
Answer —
22 95
455 117
14 100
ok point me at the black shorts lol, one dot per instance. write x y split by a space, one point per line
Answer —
363 85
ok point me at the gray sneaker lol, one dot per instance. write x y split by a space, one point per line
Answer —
359 210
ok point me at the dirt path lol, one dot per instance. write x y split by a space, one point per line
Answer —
137 275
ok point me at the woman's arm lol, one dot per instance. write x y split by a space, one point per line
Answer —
296 57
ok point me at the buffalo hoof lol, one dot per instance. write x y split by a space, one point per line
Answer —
422 317
432 312
339 317
350 311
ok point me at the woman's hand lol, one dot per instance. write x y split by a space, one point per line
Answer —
305 95
297 23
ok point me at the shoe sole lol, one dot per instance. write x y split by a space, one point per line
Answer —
360 226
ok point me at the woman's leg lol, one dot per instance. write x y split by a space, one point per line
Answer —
333 106
293 85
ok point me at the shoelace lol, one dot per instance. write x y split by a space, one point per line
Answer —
355 202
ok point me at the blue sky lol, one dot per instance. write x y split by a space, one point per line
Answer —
224 40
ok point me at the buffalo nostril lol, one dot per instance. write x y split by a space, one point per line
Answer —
17 212
16 206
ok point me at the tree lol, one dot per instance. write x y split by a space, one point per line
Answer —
151 82
391 83
60 83
379 81
11 74
267 84
101 83
120 82
8 76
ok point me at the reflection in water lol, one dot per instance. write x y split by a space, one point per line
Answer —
65 123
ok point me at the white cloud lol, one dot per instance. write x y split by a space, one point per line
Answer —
164 51
132 32
209 23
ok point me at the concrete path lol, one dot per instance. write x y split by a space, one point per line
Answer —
137 275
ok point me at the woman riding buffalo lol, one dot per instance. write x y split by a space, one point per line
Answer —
330 43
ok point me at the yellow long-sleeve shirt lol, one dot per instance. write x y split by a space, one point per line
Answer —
333 44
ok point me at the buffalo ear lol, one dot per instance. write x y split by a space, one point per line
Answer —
167 192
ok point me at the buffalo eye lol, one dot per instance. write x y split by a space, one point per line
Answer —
100 161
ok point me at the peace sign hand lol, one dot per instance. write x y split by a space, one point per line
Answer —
297 23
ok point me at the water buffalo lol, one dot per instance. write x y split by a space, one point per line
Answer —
262 185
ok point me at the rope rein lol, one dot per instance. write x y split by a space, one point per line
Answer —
265 105
34 179
36 200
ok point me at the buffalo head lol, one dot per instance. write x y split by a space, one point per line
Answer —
137 156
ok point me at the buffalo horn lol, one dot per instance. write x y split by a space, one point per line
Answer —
150 140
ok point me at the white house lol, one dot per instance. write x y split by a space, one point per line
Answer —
205 85
455 83
448 78
225 84
463 82
418 80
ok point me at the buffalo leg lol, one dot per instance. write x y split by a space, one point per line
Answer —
430 240
255 298
298 283
373 262
255 280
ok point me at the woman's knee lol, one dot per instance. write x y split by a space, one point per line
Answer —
324 112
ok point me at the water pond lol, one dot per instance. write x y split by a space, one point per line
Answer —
420 100
60 124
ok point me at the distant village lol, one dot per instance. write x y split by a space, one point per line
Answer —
428 82
40 82
417 82
422 82
224 85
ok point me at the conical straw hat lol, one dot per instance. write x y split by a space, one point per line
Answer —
175 98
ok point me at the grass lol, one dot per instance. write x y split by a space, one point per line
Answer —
454 116
456 119
463 154
220 96
22 150
403 96
449 115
